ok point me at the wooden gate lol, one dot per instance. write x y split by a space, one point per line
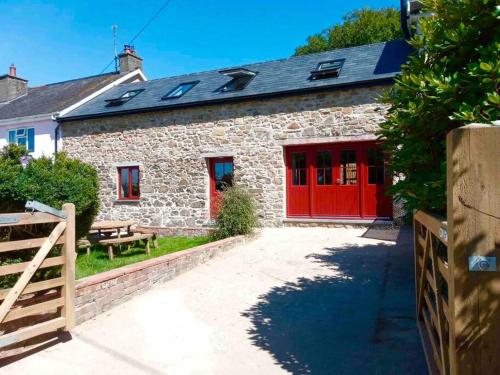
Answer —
27 304
457 261
432 274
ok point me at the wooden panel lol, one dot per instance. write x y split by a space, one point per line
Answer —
31 331
445 309
109 224
26 244
20 267
432 312
298 196
427 346
432 223
432 340
30 270
25 218
68 270
39 308
36 287
473 194
347 197
443 268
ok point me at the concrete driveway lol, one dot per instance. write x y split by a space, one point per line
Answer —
296 300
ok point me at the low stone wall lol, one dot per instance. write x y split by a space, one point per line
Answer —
97 294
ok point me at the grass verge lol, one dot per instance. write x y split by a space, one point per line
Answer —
98 261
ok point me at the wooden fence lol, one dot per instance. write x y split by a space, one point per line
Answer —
32 308
458 305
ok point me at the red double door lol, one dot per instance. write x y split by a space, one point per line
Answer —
337 180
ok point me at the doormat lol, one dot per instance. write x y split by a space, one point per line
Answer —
382 232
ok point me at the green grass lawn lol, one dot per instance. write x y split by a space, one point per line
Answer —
98 261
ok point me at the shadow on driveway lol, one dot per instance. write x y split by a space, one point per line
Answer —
360 320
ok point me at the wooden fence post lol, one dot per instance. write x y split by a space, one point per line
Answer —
68 270
473 178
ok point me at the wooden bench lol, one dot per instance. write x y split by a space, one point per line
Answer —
84 244
110 242
144 230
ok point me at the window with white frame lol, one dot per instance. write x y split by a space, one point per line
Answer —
23 137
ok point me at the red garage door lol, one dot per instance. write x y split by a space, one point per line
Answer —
337 180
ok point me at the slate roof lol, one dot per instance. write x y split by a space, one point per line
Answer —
363 64
54 97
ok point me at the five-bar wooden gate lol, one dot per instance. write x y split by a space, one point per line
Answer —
432 274
457 262
24 303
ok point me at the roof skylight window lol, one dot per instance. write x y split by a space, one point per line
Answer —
180 90
328 69
240 79
125 97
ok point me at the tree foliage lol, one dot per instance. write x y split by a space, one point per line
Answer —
451 80
52 182
362 26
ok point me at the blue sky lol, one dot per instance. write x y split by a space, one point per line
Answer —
52 41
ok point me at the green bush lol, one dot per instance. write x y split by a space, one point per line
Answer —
236 213
451 81
52 182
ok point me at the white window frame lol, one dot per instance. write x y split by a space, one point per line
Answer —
17 137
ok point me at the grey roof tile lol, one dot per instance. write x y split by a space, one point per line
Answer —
367 63
54 97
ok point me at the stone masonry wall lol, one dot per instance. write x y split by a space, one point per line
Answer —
171 147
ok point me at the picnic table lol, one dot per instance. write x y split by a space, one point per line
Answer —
109 227
110 233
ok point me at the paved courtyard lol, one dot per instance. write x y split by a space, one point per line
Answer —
296 300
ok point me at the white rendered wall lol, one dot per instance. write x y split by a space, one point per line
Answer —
44 135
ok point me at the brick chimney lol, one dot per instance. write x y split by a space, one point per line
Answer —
11 86
129 61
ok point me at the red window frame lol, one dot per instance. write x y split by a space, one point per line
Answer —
131 196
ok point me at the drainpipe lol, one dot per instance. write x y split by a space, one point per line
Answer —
56 132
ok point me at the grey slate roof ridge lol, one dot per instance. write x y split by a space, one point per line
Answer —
366 64
283 59
53 97
79 79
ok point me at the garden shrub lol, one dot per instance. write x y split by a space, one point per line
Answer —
52 182
49 181
450 81
236 213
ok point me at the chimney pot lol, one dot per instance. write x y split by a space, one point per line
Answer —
12 70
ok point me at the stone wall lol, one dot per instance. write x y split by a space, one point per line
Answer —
171 147
98 293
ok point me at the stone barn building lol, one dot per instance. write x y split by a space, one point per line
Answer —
298 133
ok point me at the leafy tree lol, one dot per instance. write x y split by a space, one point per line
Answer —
451 80
362 26
52 182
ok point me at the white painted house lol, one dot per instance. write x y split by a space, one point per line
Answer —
27 114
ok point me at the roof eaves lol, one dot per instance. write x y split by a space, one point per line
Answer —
371 82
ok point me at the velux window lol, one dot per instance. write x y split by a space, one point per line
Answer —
23 137
125 97
328 69
180 90
128 183
240 79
